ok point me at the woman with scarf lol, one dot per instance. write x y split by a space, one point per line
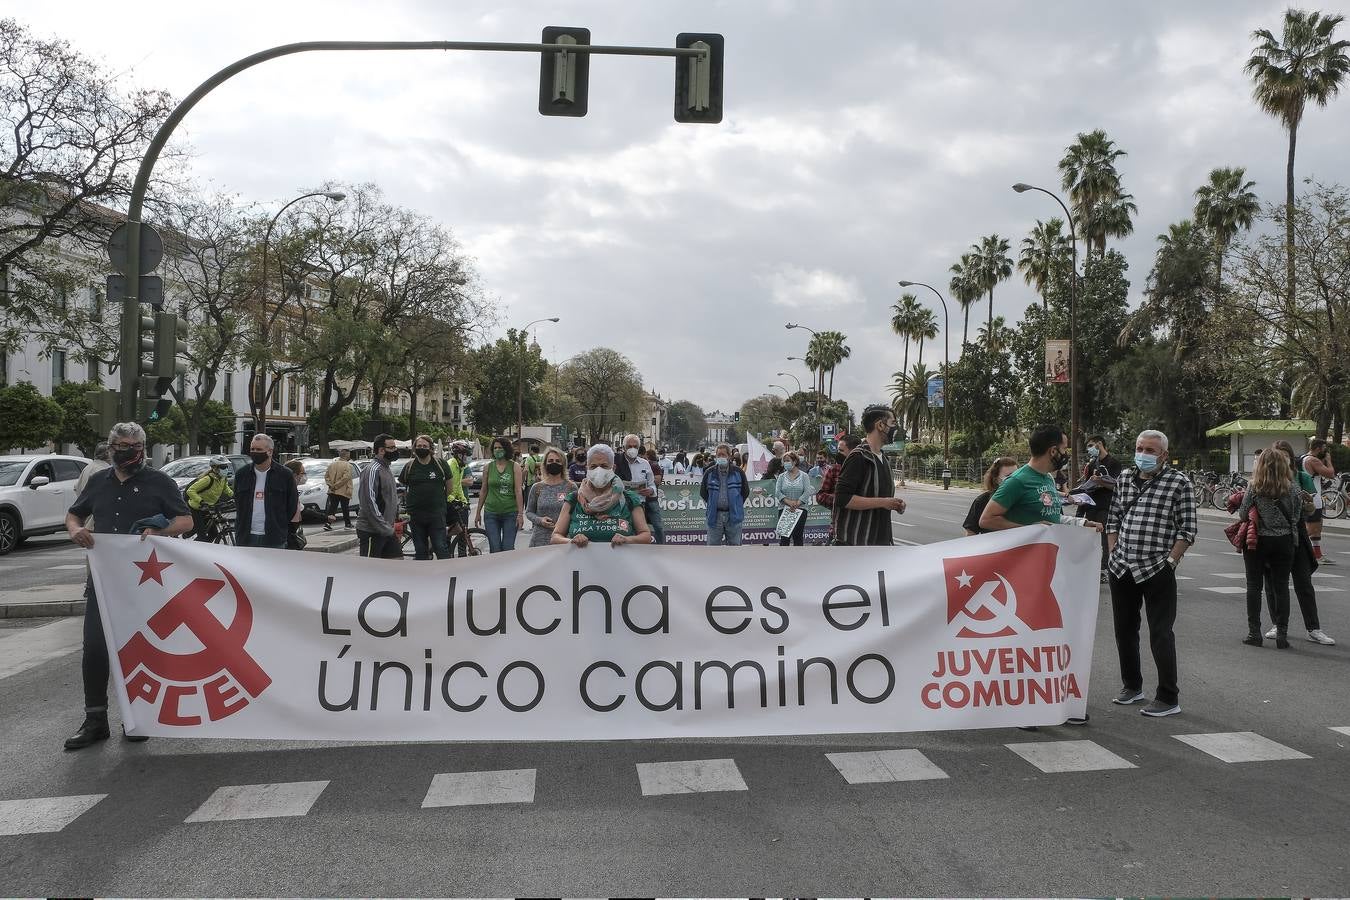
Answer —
601 509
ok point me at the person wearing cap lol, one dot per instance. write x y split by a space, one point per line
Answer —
208 490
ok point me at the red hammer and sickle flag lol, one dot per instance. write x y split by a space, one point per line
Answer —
1005 593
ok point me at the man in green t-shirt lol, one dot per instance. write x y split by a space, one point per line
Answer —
1029 495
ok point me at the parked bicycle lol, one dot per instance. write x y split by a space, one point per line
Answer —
1204 484
1236 482
1336 496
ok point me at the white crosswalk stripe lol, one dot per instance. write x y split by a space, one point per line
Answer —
43 815
878 766
259 801
1227 589
693 776
1240 746
1069 756
480 788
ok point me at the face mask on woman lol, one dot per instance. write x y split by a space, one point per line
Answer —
600 476
423 452
499 454
553 468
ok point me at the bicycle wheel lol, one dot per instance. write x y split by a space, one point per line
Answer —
471 542
1220 497
1333 504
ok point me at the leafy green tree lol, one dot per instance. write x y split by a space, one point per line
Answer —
347 425
905 314
502 368
804 426
1304 65
686 424
608 388
1045 253
965 288
75 427
169 431
1223 206
981 390
763 414
1101 206
30 419
995 265
909 398
215 425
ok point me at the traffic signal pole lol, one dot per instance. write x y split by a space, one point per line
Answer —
702 103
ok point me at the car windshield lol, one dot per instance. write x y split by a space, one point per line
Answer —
187 468
10 472
317 466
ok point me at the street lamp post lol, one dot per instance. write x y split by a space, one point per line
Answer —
946 370
800 390
520 378
260 410
1073 321
820 375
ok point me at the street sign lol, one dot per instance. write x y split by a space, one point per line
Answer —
152 247
827 432
937 394
151 290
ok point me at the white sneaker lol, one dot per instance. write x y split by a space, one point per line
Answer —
1318 636
1270 635
1325 560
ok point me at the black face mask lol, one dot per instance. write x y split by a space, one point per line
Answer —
553 468
1059 460
890 434
423 452
258 456
128 460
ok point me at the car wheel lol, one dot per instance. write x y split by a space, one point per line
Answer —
10 536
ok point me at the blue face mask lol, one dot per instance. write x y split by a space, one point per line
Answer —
1094 452
723 462
1146 462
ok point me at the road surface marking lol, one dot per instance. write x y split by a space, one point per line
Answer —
1184 578
28 647
1240 746
43 815
1320 574
1193 553
693 776
1227 589
1330 590
1069 756
1341 729
259 801
480 788
1230 575
63 568
1214 540
880 766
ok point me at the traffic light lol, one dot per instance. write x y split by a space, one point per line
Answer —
103 411
698 79
161 339
564 78
735 417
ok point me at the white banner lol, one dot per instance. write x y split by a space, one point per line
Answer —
566 643
758 457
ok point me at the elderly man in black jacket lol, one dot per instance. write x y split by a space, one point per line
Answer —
265 498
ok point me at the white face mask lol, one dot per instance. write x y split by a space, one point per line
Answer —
600 476
631 453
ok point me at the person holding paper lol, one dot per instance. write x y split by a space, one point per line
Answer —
790 489
602 509
1099 483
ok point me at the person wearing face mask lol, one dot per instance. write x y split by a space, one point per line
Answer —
375 519
724 489
113 501
996 474
829 478
1099 482
818 470
1150 526
428 482
1029 496
1302 567
266 500
456 501
791 488
864 495
503 496
1316 465
546 496
602 509
576 470
205 492
339 477
637 474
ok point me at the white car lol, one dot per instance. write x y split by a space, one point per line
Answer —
35 492
314 492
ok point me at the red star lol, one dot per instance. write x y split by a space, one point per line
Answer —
152 568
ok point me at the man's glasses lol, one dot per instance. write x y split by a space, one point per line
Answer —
128 446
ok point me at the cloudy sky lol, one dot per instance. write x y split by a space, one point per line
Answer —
864 142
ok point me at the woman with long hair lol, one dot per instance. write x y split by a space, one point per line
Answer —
998 470
1278 501
503 497
546 497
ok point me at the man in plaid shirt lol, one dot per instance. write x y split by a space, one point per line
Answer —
1151 525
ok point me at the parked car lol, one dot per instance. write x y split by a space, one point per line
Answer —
35 492
188 469
473 477
314 492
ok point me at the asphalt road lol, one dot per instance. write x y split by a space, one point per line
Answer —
1176 821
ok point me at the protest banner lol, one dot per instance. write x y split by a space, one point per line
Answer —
684 514
601 642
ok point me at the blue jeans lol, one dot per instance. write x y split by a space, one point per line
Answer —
433 533
501 531
724 532
652 508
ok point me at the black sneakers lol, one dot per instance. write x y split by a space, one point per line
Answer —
1128 696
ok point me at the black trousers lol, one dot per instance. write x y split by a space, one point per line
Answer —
336 500
1303 587
378 546
1272 559
1158 597
94 665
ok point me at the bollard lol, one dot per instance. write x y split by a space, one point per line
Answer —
946 479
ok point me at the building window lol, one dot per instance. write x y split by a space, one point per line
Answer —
276 396
96 302
4 369
58 365
292 395
182 387
93 372
454 417
227 391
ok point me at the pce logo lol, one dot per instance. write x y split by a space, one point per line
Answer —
1003 594
222 671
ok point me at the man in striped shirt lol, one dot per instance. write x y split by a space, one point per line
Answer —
864 496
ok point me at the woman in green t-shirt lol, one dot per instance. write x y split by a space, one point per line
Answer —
502 495
600 509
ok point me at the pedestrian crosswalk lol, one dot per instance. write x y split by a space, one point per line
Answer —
296 799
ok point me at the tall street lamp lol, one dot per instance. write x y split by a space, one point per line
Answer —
786 393
1073 321
520 377
820 376
946 370
800 390
260 410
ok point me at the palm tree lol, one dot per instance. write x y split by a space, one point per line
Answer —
925 329
997 336
965 288
1043 251
995 265
833 352
1088 173
1225 206
909 397
815 360
905 313
1308 65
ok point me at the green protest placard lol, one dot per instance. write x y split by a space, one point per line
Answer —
684 515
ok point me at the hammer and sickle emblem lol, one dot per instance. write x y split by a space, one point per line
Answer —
1004 614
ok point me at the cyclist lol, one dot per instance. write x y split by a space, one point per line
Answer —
457 502
206 492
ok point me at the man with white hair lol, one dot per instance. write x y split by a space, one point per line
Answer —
776 463
637 472
120 499
1151 525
